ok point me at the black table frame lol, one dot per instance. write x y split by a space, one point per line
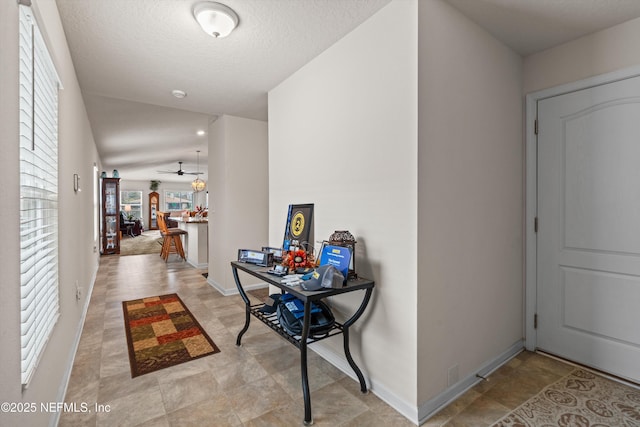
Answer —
303 340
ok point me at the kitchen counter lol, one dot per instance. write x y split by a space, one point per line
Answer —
196 240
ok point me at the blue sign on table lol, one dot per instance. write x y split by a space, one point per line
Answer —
338 256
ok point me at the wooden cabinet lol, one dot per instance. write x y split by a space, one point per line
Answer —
154 200
110 212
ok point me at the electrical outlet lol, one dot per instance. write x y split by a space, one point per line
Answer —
452 375
78 291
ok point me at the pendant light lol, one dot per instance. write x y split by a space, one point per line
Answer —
198 185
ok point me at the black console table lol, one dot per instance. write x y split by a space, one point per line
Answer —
303 340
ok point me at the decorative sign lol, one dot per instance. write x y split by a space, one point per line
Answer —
299 230
338 256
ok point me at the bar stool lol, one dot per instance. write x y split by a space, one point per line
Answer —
172 241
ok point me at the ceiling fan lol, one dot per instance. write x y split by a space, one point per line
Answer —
180 172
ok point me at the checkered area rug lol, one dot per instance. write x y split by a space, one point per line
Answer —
162 332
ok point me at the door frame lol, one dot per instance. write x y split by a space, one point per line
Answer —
531 185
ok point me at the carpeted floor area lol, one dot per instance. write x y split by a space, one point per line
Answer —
149 242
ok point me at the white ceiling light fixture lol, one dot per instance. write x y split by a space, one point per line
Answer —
178 93
216 19
198 185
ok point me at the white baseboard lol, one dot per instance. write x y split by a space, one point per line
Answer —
432 406
201 266
418 415
234 290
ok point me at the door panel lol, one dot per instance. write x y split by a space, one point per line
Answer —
589 236
611 291
601 149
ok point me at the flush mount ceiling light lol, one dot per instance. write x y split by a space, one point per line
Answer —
178 93
216 19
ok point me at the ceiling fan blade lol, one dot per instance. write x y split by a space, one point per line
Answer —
180 172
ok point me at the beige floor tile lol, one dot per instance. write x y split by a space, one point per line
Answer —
257 398
212 413
279 359
289 414
333 405
122 385
370 418
162 421
133 409
233 375
256 384
185 391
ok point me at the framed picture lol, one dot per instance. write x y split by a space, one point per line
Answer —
299 228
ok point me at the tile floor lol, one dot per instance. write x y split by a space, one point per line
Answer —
505 389
254 385
257 384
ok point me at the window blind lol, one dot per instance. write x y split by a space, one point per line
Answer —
38 193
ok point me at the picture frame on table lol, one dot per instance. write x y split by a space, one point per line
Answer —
299 227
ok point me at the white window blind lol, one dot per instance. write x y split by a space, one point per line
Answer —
38 193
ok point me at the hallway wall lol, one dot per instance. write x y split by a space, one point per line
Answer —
78 254
343 135
470 208
238 195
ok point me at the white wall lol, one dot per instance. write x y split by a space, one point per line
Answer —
343 135
77 258
598 53
470 199
238 195
10 215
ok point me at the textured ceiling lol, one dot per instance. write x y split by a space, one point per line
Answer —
140 50
130 54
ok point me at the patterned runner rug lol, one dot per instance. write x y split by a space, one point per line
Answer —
162 332
579 399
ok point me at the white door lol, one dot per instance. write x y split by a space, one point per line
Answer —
588 268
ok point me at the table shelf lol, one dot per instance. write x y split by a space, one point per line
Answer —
271 320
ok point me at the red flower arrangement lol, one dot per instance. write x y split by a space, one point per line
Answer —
298 259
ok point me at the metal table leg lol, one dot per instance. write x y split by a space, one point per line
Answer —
247 306
345 336
308 419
